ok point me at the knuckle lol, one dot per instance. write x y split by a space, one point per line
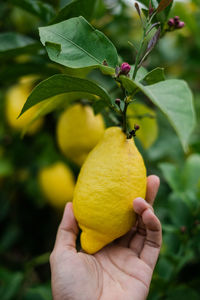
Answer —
151 208
52 257
153 244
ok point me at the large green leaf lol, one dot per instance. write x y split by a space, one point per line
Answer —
12 43
174 98
43 10
60 84
76 44
76 8
58 102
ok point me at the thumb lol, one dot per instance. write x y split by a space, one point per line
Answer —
67 230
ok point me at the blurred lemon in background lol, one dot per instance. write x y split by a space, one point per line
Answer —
16 96
145 117
57 184
78 132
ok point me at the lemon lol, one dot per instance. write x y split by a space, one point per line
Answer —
57 184
112 176
145 117
78 132
16 96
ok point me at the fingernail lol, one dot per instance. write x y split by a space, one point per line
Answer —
139 198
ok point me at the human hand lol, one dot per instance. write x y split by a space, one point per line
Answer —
121 270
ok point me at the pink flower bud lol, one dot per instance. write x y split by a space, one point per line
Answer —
136 127
176 19
125 68
117 101
180 25
151 10
171 22
183 229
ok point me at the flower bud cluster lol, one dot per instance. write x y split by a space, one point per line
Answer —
175 23
133 132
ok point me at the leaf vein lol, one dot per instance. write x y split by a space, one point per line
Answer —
77 46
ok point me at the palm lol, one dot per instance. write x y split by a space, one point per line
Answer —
116 273
122 270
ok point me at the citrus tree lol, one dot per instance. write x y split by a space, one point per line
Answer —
106 59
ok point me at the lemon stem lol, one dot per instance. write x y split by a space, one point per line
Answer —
124 124
146 30
139 54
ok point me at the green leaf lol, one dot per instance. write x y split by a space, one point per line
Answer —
154 76
182 292
6 167
38 8
179 211
145 2
162 149
9 238
9 73
60 84
174 98
141 73
162 15
57 102
145 117
74 43
171 175
98 106
38 260
191 172
40 292
163 4
12 44
76 8
10 283
164 268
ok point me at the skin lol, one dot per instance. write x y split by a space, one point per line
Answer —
121 270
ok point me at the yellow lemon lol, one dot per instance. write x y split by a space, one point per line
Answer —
16 96
112 176
78 132
145 117
57 184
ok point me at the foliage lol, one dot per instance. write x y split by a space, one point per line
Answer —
73 59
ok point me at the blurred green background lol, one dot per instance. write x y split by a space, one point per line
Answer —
28 222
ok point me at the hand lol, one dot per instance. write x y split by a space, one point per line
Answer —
121 270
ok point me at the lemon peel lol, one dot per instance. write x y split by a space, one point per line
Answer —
15 98
78 132
112 176
57 184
